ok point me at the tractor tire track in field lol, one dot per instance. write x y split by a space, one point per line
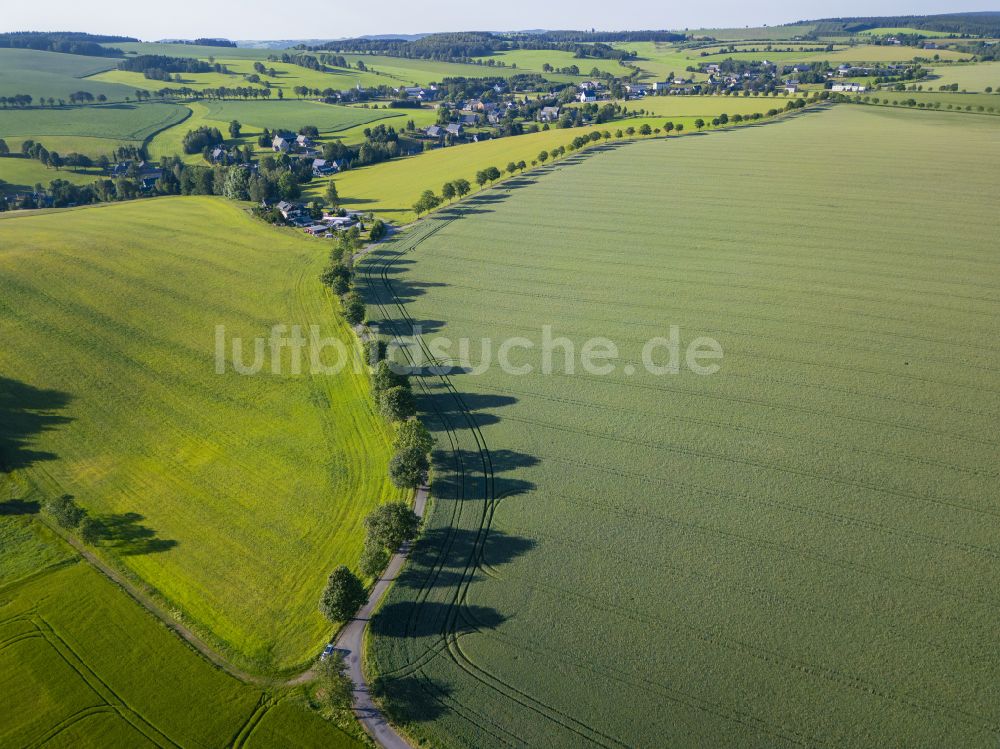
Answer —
458 618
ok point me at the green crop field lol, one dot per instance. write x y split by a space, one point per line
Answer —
38 74
390 188
797 550
81 665
230 497
702 106
92 129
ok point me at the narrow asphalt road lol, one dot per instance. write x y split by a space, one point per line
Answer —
351 641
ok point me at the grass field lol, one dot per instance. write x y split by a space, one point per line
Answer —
968 77
231 497
81 665
984 103
28 71
799 550
89 129
292 115
288 77
20 174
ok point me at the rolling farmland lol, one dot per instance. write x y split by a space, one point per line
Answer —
77 655
797 550
28 71
90 129
391 187
228 497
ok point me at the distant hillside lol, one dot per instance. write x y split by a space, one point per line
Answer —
985 23
70 42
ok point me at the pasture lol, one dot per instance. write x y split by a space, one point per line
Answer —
229 497
22 174
92 129
287 77
292 115
800 549
81 665
968 77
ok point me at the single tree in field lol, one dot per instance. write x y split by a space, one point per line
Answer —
4 148
343 596
448 191
234 129
668 127
481 177
521 165
331 194
645 129
699 123
511 167
390 524
492 174
680 127
543 156
462 187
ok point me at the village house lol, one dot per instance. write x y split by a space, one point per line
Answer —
548 114
280 145
323 168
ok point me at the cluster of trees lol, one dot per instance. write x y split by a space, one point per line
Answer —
159 67
972 24
33 150
17 100
216 92
201 138
72 43
69 515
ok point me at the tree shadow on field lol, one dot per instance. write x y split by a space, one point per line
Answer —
126 535
453 555
25 413
435 618
19 507
410 699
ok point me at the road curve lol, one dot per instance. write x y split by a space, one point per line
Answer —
351 640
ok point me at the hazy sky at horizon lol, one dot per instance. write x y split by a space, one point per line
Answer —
312 19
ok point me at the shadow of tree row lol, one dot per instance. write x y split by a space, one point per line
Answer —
26 412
